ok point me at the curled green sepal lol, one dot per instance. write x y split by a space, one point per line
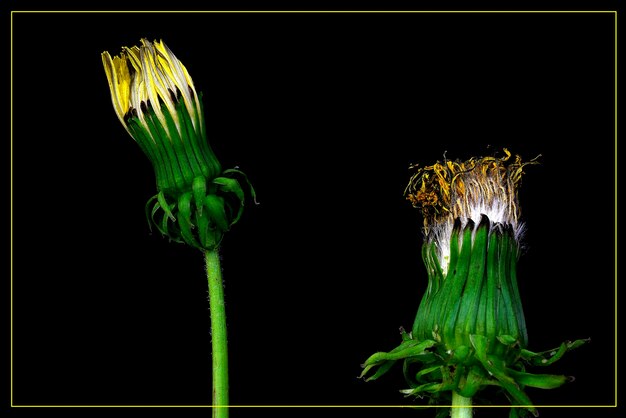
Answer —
202 214
384 360
546 358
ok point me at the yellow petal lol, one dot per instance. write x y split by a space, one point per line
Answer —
118 78
177 72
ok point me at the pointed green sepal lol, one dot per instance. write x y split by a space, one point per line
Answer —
215 208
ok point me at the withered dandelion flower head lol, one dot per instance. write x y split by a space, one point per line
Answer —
469 331
465 190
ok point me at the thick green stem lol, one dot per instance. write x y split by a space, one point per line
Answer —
218 333
461 406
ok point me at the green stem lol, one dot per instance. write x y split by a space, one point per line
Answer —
461 406
218 333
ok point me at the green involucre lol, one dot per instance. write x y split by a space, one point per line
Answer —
196 202
469 331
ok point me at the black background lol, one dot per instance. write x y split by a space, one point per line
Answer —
324 112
